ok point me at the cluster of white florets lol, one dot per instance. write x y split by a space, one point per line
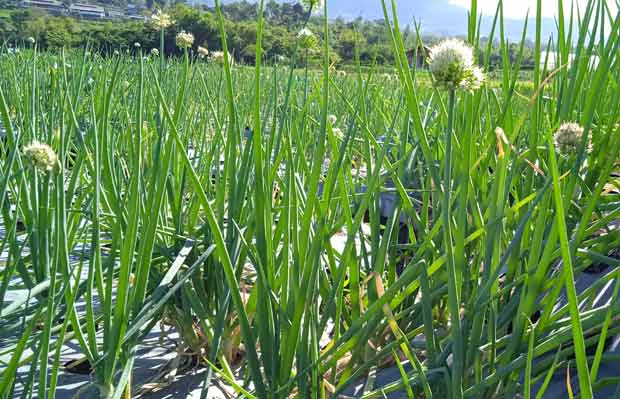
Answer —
202 52
452 64
568 138
307 39
41 156
161 20
184 39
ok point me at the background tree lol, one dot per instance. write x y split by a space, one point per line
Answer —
284 20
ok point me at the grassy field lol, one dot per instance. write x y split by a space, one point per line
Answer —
300 228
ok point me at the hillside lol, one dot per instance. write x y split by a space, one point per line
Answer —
283 23
437 17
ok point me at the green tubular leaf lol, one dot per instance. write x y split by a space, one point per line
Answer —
569 280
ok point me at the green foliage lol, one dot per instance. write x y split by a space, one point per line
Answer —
243 206
280 30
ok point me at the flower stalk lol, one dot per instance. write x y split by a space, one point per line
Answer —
453 289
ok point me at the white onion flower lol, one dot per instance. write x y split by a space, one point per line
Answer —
452 64
568 138
161 20
41 156
184 39
202 52
218 56
306 38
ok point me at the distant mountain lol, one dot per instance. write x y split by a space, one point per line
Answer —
437 17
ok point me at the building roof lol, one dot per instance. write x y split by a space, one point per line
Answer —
43 3
86 7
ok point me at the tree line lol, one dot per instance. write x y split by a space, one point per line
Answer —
349 39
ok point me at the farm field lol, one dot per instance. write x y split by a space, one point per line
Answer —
284 231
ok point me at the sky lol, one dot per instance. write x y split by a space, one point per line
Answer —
517 9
